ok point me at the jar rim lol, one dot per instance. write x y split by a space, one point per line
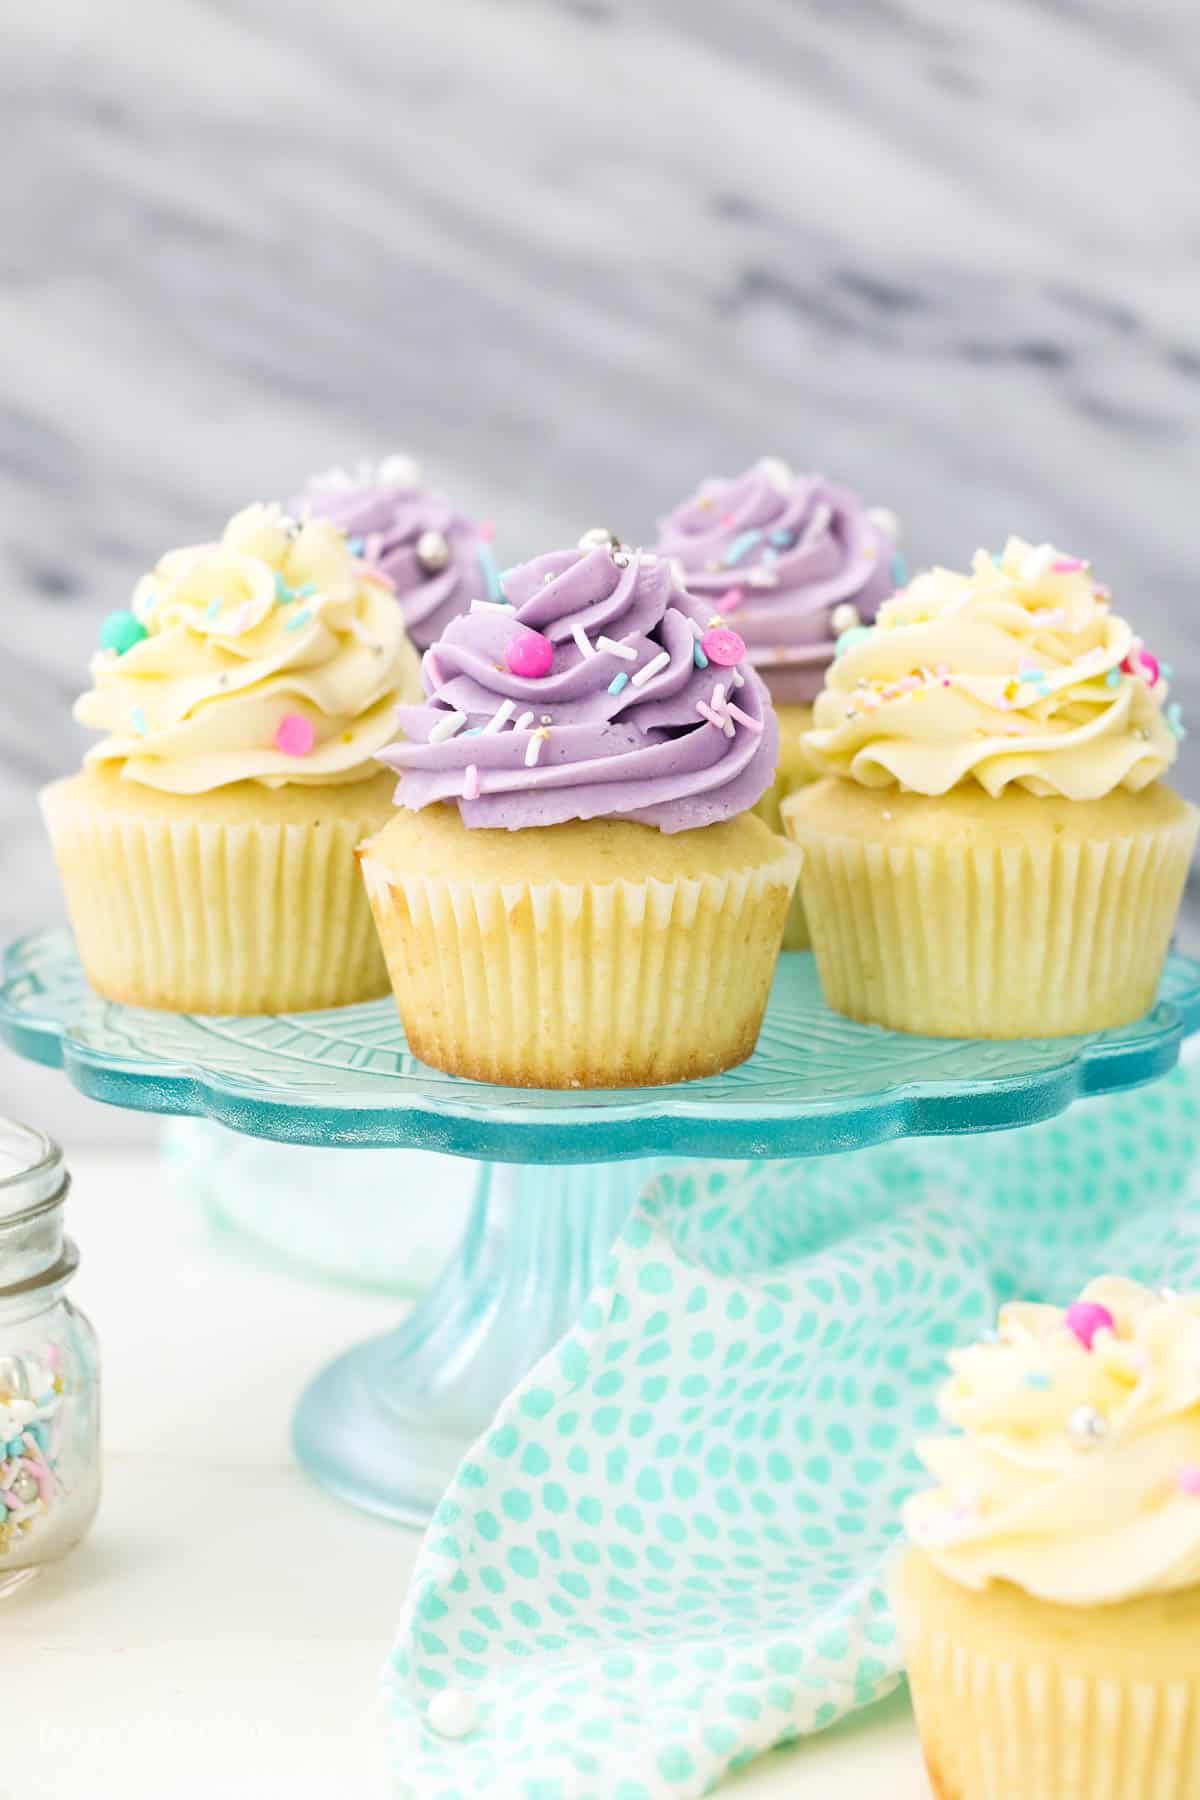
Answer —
38 1177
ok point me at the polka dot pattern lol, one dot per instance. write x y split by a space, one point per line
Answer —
670 1552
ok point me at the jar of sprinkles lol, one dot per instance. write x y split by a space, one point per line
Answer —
49 1372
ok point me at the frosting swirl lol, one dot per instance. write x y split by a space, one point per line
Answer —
1018 673
779 554
272 656
589 696
436 560
1077 1472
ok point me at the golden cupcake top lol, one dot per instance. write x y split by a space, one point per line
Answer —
1018 673
1075 1470
274 655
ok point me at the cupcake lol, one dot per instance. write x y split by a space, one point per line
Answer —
573 892
792 562
991 851
1050 1605
435 559
206 848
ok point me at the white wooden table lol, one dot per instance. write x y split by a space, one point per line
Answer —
221 1632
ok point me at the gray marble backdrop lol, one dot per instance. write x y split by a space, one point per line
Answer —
576 254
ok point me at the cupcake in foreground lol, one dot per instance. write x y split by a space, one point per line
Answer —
207 847
1050 1606
573 892
436 560
790 562
992 851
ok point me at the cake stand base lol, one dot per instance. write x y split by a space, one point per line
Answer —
386 1425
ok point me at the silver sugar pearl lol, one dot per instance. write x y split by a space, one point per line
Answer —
845 617
24 1488
599 538
1088 1426
433 551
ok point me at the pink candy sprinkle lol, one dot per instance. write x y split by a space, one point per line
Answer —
530 654
294 735
1189 1479
729 602
1085 1318
470 782
1067 565
1140 662
723 647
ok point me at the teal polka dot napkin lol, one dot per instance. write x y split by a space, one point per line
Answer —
670 1552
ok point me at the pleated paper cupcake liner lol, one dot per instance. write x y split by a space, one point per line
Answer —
1114 1721
1041 939
626 983
210 917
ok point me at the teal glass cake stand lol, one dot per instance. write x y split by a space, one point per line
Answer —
385 1424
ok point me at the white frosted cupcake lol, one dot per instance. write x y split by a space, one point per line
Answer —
992 851
1050 1607
207 847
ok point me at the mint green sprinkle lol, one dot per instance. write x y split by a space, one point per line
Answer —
214 607
283 592
1113 678
139 722
1174 718
619 681
297 620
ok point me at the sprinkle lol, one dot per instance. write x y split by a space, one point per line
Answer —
1037 1378
500 717
524 722
752 725
121 631
737 678
584 642
491 574
625 651
723 646
651 668
283 592
303 617
139 722
447 727
1166 670
356 545
899 569
530 655
698 656
719 719
1067 565
294 735
533 748
618 681
1113 678
1189 1479
1038 563
214 607
1088 1426
307 591
1174 718
743 542
491 606
730 601
785 539
470 789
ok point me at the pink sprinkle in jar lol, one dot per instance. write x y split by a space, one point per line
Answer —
49 1368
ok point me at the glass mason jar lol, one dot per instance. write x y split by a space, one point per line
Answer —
49 1372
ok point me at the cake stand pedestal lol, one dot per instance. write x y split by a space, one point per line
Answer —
385 1424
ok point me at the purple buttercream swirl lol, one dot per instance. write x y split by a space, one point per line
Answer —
387 518
691 743
776 553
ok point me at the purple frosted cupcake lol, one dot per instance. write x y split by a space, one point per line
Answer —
791 562
574 892
436 559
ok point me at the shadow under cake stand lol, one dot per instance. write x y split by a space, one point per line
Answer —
385 1425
